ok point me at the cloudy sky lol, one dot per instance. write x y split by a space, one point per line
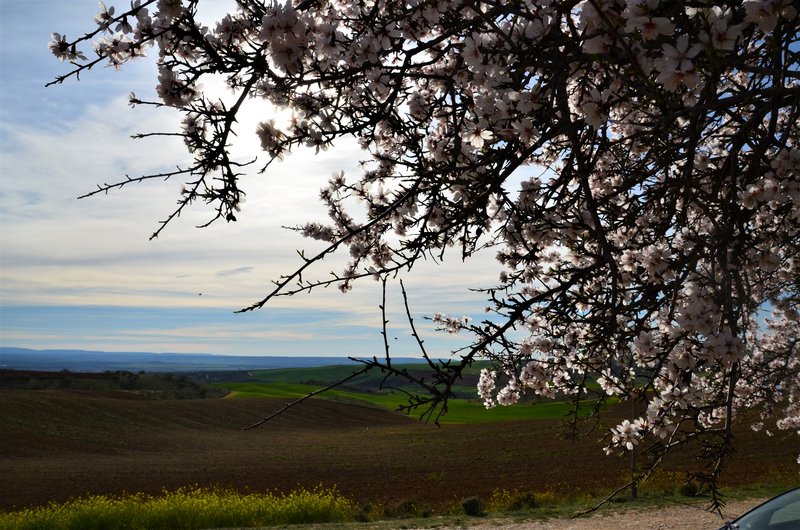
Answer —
83 274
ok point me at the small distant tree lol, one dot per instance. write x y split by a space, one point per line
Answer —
633 165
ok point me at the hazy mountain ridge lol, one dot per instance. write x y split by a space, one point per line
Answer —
98 361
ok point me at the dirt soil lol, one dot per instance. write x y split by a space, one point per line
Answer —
60 445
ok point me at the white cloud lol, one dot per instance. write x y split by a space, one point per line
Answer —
45 169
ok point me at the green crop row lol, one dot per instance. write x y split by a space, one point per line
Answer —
186 509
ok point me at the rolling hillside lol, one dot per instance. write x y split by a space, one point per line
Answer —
60 444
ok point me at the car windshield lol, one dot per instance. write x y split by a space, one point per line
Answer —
780 513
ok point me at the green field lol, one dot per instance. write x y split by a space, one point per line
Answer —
373 380
372 389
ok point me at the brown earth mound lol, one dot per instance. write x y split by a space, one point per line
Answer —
56 445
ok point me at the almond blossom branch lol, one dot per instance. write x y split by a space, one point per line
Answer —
633 167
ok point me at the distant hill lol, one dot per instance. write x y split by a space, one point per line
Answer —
116 384
99 361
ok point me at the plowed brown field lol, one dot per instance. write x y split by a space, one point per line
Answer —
57 445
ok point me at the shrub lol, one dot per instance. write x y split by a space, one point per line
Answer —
516 500
689 489
408 508
524 500
472 506
369 512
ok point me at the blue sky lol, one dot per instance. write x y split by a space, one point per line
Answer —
83 274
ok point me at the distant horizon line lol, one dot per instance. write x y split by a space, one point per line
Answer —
17 349
84 350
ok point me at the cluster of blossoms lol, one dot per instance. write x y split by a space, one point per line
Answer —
486 385
451 324
634 164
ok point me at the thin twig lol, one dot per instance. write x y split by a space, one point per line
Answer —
385 321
